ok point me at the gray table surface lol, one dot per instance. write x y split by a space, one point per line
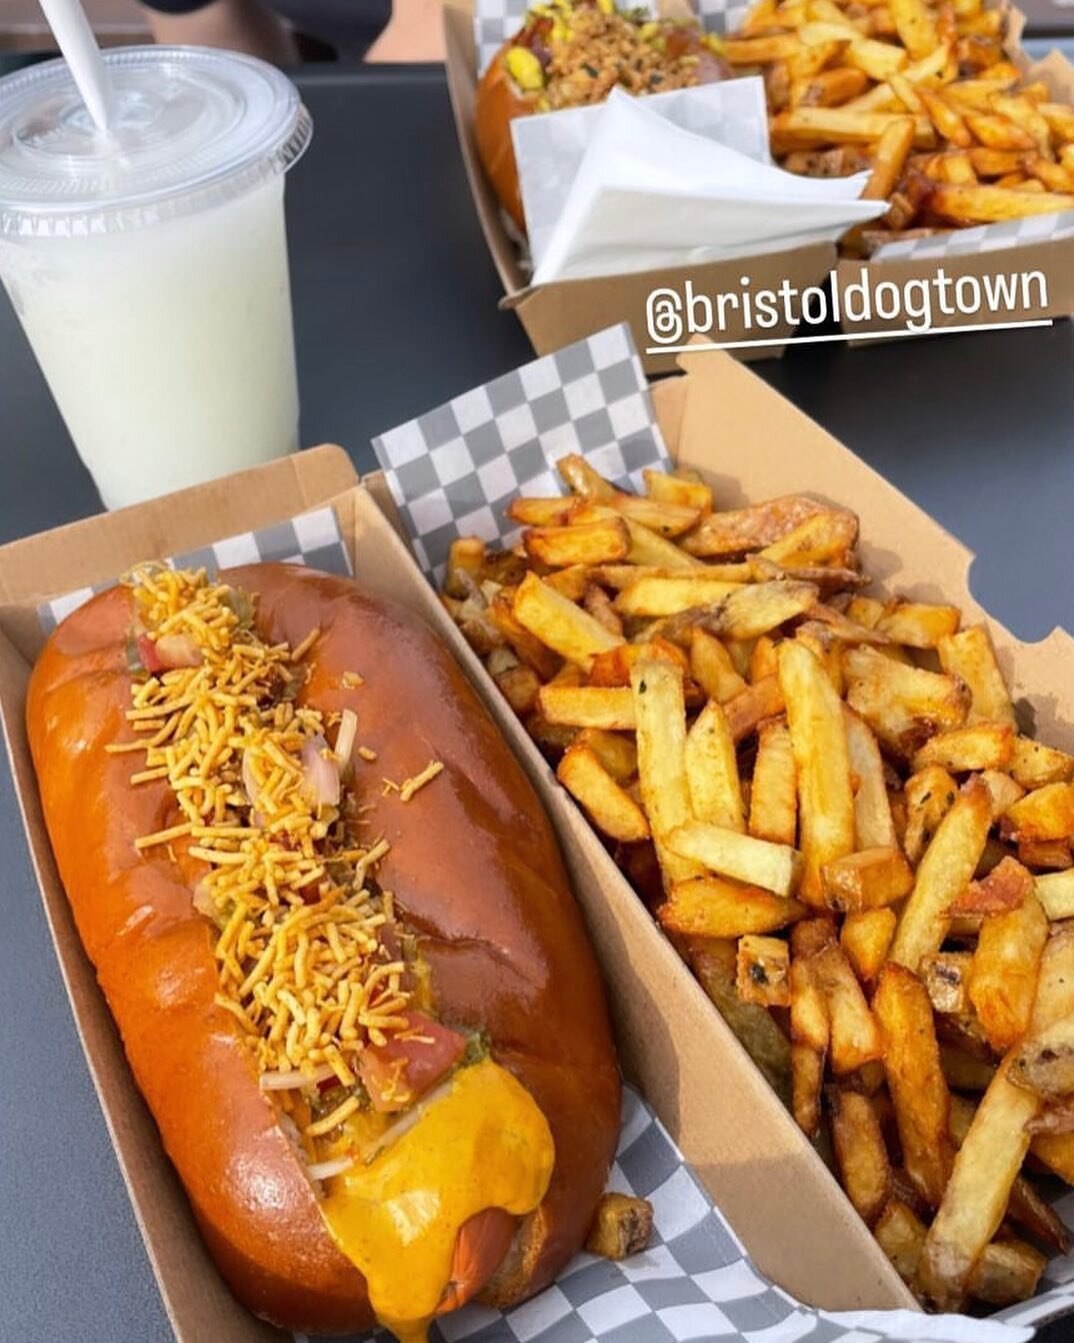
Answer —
395 304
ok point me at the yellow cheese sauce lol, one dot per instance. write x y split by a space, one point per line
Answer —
484 1144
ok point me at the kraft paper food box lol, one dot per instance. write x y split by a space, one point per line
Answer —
565 310
761 1172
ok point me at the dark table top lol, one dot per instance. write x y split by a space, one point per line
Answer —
395 306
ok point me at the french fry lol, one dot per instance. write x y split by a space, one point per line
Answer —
867 879
818 738
465 558
864 1169
738 531
572 582
616 752
676 489
581 478
1033 764
527 647
807 1078
622 1226
855 1037
599 605
715 907
660 715
903 705
1045 1063
1056 1119
609 806
978 1190
607 707
728 853
1003 790
1045 813
601 542
773 794
663 518
993 204
993 163
841 125
520 687
712 770
866 938
763 660
758 50
763 970
540 512
917 624
666 596
1005 889
712 668
873 826
889 158
612 668
929 795
646 547
750 707
1003 978
915 27
819 539
945 975
748 612
915 1079
1055 891
1050 853
559 623
945 870
983 746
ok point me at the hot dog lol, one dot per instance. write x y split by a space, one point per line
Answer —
570 53
333 926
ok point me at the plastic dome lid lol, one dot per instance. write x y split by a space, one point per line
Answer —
193 128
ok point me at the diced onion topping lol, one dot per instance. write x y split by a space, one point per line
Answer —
348 729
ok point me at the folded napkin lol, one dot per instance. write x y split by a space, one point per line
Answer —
676 179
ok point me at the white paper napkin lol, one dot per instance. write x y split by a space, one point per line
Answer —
640 183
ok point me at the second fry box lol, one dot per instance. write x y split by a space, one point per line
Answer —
556 314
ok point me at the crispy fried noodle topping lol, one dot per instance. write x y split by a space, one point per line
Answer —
309 952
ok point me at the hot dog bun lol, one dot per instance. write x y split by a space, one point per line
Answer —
480 879
560 55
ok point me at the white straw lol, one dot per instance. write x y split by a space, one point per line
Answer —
75 39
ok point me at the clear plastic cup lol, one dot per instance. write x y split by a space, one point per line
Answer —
149 267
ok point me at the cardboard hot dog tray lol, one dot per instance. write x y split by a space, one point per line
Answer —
561 311
747 1182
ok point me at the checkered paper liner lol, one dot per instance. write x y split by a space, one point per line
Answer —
452 472
311 538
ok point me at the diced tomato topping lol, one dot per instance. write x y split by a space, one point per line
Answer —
400 1072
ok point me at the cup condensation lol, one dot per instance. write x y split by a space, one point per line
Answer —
154 288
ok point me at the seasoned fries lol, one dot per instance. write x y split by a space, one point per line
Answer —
921 94
826 800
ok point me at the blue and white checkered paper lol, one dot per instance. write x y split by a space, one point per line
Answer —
452 472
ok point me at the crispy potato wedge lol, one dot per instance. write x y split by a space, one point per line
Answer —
559 623
750 707
866 938
622 1226
855 1038
1055 891
819 539
668 595
867 879
612 667
751 611
678 489
608 805
945 870
982 746
1045 813
915 1079
540 512
601 542
860 1153
716 907
818 738
1033 764
774 789
903 705
729 853
712 668
930 794
763 970
740 530
616 752
712 770
1006 964
607 707
1005 889
918 625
